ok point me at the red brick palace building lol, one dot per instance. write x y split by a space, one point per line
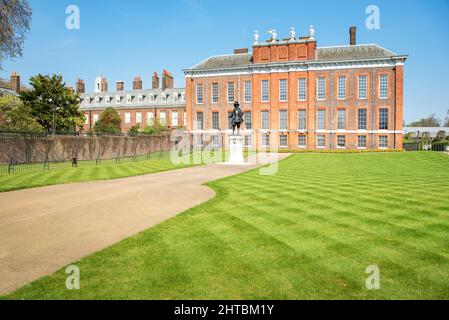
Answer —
143 107
296 95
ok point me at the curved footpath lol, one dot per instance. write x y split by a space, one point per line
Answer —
44 229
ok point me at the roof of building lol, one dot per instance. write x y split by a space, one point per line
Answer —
425 129
365 51
6 91
174 98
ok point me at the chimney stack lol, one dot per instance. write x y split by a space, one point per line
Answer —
137 83
120 85
71 89
104 85
240 50
155 81
15 82
167 80
353 36
80 87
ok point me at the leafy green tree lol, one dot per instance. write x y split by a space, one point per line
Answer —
109 123
134 131
431 121
53 105
15 20
155 129
14 115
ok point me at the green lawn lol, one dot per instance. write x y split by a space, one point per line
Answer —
308 232
61 173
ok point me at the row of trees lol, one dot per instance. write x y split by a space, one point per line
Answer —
431 121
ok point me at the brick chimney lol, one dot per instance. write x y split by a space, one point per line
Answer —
137 83
71 89
167 80
120 85
240 50
15 82
155 81
104 85
353 36
80 87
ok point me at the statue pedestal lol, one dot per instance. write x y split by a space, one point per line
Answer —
236 149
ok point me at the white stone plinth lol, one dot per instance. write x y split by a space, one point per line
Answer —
236 149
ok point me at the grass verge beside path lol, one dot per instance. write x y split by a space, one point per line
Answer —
108 169
308 232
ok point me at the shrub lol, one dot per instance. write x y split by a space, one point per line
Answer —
440 146
134 131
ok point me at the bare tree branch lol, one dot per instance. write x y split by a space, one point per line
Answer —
15 21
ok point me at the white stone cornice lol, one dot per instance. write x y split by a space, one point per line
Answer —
297 66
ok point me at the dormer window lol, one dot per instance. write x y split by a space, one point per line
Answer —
107 99
175 97
140 98
128 98
87 100
117 99
163 97
97 100
152 97
183 96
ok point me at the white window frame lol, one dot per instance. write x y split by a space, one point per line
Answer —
305 141
283 120
381 142
281 138
302 89
138 117
338 141
341 112
383 86
247 89
118 99
262 119
265 143
86 115
95 118
318 140
150 119
231 93
341 88
215 92
97 100
321 122
321 89
127 117
362 87
129 98
107 100
139 98
265 90
283 90
174 118
164 97
301 120
359 140
163 118
199 93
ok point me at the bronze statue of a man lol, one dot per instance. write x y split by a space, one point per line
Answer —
236 117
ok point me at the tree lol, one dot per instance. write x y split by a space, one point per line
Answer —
53 105
109 123
15 20
134 131
16 116
431 121
446 123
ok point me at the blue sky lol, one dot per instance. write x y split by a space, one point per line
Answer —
138 37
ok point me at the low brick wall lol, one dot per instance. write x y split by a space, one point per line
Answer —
28 148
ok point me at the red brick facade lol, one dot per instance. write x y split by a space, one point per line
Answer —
289 61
